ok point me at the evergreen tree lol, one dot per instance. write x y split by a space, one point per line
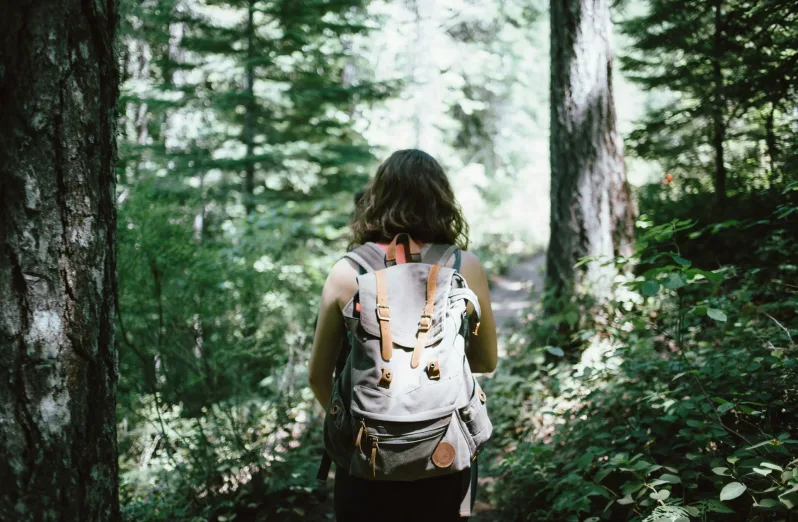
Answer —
240 159
725 69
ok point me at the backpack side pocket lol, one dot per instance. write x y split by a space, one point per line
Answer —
339 437
474 419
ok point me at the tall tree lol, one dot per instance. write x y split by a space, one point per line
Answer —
58 364
723 71
592 212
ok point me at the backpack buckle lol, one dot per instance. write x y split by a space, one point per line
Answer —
425 323
386 315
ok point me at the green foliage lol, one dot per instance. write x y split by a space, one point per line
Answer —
680 402
238 161
720 71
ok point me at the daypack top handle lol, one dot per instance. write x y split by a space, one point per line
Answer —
410 246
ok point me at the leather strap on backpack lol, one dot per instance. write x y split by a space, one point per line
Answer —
384 316
425 324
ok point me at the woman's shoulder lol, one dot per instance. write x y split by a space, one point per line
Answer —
471 267
341 282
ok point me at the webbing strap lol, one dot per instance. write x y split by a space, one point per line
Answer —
447 254
324 467
440 253
466 493
425 324
410 246
433 252
384 316
369 257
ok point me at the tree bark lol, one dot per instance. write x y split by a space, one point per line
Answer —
718 109
58 364
592 212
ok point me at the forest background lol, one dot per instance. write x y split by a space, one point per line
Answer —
244 129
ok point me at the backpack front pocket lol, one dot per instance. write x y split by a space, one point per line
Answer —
390 451
339 439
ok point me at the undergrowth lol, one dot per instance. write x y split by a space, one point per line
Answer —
675 401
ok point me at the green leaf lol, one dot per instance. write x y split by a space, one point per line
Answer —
631 487
723 408
724 472
556 351
732 490
763 471
662 494
649 288
626 500
680 260
674 281
790 497
717 315
673 479
769 503
601 475
771 466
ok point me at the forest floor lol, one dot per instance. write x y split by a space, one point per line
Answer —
511 294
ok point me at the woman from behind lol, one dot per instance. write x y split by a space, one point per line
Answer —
410 194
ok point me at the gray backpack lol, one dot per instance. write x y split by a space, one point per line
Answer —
406 405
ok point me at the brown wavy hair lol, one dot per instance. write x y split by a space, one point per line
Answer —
411 194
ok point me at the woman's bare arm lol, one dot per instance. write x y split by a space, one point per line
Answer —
482 348
339 288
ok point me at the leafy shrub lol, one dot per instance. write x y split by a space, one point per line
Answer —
681 402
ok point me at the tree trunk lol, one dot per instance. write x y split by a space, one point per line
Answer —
772 142
249 125
718 109
592 212
58 364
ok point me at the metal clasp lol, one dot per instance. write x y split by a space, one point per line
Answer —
425 323
387 316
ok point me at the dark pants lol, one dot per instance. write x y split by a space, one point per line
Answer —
434 499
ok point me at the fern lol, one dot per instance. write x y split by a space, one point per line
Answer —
668 514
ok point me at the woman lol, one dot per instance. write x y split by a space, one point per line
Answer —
410 193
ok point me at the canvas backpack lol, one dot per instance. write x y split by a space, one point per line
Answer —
406 405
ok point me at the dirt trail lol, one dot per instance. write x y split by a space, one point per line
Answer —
515 292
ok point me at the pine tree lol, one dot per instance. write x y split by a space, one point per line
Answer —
726 72
240 159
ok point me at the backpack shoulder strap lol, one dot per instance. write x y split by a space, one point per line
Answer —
369 257
440 253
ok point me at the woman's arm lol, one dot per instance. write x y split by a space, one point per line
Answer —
339 287
482 348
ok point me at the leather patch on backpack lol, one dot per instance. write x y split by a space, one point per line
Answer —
443 456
